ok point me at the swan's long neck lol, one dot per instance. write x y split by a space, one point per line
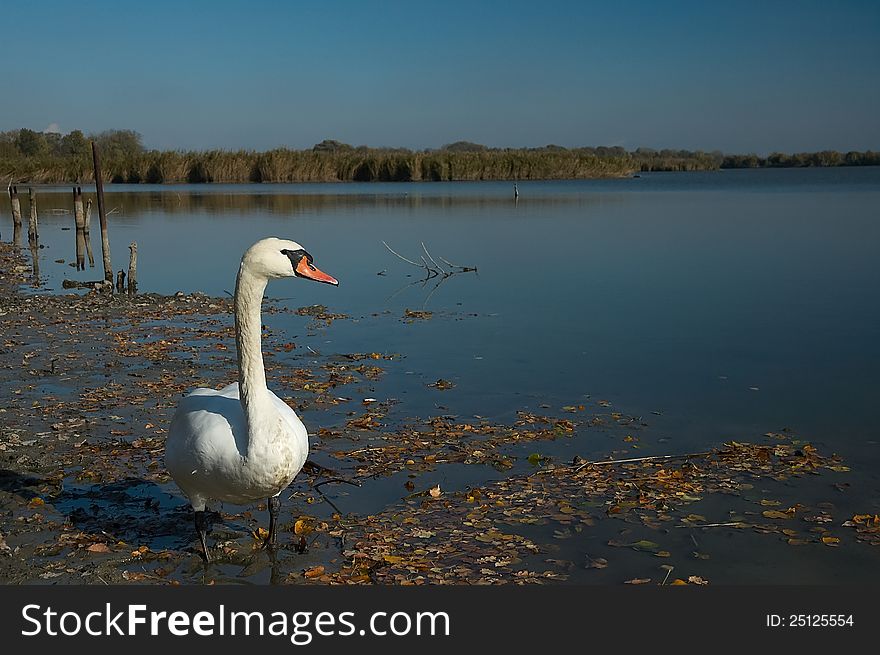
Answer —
254 395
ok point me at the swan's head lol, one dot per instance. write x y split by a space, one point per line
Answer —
274 258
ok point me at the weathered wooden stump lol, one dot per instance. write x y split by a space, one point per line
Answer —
80 222
33 227
132 267
87 234
15 205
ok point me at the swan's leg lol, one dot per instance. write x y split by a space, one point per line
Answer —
201 528
274 509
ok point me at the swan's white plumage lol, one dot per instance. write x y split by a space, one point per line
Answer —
242 443
209 456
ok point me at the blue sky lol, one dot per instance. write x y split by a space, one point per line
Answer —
736 76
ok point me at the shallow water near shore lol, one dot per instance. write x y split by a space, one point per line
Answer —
709 307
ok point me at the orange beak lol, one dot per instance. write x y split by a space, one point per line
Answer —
304 269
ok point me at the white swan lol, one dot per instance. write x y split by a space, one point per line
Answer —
242 443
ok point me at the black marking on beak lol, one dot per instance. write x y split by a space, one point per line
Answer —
295 257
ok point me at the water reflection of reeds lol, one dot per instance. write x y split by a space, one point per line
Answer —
218 202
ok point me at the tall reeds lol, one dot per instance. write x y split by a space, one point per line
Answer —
284 165
388 165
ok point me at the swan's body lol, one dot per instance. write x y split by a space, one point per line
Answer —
211 458
242 443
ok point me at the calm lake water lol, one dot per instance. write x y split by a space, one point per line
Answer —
717 306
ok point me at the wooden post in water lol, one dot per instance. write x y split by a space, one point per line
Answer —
120 281
16 214
86 234
16 205
33 228
80 224
132 268
35 262
105 241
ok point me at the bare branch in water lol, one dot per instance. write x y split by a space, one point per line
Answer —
629 460
464 269
354 483
394 252
440 268
432 269
430 265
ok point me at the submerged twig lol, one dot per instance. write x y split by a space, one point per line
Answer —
394 252
317 487
431 268
353 483
318 469
464 269
729 524
440 268
641 459
629 460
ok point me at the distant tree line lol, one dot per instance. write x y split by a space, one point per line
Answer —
46 157
28 143
803 159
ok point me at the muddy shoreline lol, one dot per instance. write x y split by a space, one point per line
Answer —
90 382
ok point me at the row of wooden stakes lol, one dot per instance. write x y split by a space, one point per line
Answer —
82 221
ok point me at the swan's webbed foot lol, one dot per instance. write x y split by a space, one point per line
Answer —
202 529
274 509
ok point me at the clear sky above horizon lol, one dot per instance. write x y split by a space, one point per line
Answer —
734 76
